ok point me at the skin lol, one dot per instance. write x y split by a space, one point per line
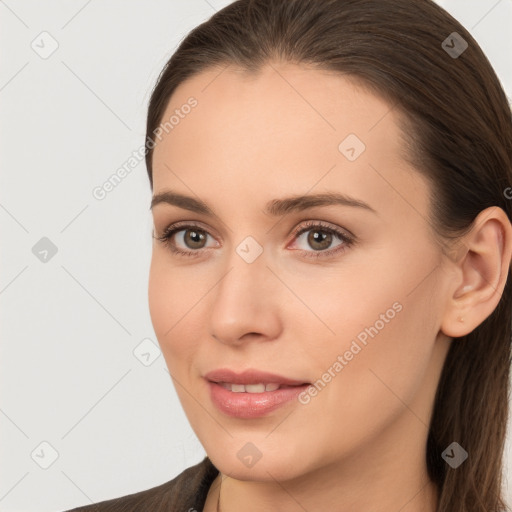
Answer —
360 443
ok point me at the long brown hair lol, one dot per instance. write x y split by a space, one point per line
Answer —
459 131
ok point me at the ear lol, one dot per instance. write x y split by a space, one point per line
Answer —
481 267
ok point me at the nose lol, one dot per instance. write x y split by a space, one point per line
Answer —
247 302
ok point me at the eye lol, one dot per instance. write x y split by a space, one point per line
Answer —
192 236
320 238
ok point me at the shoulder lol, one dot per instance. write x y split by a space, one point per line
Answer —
186 491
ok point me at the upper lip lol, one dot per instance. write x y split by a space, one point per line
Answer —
250 376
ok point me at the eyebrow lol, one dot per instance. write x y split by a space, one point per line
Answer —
275 207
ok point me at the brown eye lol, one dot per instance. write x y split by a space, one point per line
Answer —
193 238
185 240
319 239
189 240
318 243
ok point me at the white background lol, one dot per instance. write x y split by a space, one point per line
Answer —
68 373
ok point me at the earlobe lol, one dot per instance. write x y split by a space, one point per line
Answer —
482 272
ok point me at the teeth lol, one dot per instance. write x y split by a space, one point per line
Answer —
249 388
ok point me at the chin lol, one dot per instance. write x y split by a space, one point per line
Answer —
272 464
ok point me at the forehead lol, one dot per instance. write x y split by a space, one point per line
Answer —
278 96
284 128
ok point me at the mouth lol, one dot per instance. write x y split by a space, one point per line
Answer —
252 394
255 388
250 378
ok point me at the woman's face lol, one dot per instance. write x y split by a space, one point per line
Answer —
361 319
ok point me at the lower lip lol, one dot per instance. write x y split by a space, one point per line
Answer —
251 405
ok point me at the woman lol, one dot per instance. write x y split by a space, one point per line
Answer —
330 279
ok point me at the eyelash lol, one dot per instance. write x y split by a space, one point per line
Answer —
347 240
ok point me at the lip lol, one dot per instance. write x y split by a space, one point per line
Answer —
250 376
251 405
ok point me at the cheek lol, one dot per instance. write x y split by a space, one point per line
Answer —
384 332
170 300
